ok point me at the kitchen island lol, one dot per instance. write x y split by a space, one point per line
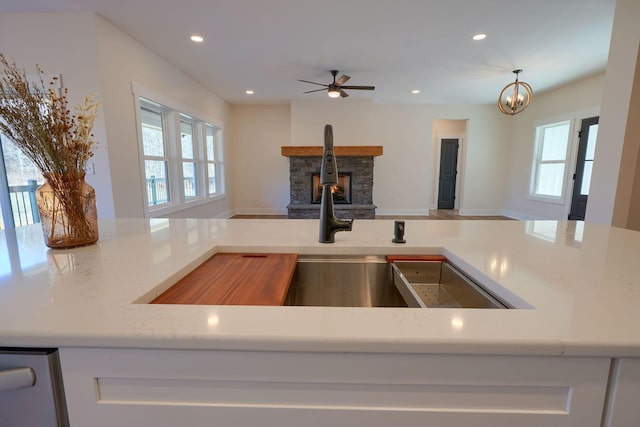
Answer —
567 355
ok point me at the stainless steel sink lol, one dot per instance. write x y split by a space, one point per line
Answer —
369 281
343 281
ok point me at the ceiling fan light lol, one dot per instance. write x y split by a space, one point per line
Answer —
333 92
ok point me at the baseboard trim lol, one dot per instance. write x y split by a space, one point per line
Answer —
260 211
402 212
522 216
481 212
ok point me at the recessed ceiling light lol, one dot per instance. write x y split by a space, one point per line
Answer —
480 36
415 91
196 38
248 92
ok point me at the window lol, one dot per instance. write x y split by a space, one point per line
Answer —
550 161
19 178
156 159
182 158
188 159
588 160
213 159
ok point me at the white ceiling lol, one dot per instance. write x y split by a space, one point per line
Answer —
396 45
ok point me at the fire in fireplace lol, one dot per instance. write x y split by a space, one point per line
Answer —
341 192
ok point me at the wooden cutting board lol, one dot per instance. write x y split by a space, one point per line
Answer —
235 279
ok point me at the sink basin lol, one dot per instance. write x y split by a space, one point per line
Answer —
371 281
343 281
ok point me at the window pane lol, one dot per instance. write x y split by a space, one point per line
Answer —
591 142
586 178
152 139
211 171
186 138
20 169
157 183
550 177
23 178
189 175
211 156
554 142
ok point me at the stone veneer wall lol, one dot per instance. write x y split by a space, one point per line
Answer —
301 169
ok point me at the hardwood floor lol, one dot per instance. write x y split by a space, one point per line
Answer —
435 214
453 214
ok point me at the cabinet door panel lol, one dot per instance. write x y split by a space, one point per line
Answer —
624 397
162 387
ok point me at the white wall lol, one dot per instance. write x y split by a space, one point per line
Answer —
261 173
349 118
64 44
485 159
575 101
402 176
406 175
627 208
122 61
618 85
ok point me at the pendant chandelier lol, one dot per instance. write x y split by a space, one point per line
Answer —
515 96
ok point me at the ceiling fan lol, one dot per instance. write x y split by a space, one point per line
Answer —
335 89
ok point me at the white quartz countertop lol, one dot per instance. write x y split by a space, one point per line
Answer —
578 286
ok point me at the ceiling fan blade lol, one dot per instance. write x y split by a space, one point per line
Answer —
343 93
316 90
313 83
359 87
342 80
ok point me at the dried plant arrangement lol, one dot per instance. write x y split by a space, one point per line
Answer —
59 142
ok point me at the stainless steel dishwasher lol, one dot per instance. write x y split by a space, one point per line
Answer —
31 390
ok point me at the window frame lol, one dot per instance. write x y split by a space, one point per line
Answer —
217 161
173 115
536 160
195 160
162 111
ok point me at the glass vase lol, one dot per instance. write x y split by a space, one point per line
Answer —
67 207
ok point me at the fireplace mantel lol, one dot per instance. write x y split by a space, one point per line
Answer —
340 150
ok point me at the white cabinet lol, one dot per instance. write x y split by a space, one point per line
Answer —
624 396
107 387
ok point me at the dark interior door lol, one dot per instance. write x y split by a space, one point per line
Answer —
448 173
582 177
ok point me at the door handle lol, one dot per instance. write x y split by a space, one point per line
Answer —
16 378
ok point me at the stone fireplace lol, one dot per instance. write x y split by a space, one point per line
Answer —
353 197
